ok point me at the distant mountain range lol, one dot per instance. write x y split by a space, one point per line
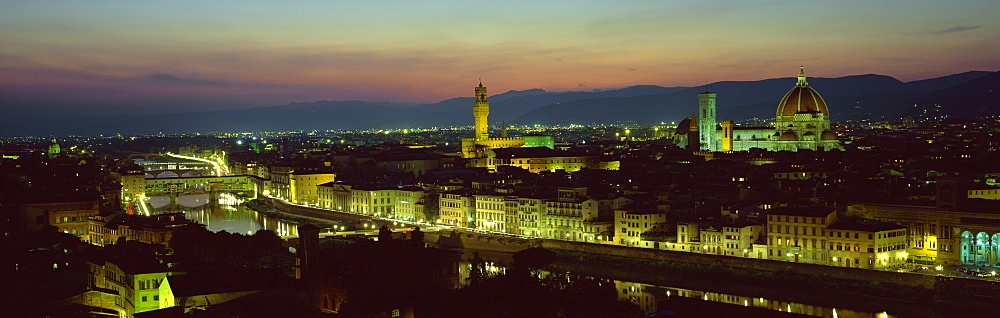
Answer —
869 96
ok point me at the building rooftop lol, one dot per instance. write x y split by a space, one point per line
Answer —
864 225
532 152
810 211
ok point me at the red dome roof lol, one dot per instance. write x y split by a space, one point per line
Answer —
802 99
684 126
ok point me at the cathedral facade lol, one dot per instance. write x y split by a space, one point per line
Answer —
802 122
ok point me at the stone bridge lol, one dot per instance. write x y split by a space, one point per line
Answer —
177 170
166 166
252 185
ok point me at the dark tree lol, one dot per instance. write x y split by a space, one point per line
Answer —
196 248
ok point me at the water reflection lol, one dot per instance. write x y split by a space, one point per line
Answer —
224 212
650 297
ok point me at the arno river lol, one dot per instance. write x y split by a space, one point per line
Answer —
228 215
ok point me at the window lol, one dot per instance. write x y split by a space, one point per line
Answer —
143 298
395 313
156 297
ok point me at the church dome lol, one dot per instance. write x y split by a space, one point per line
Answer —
684 126
802 99
788 136
828 135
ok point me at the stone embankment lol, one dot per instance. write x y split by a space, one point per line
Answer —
940 289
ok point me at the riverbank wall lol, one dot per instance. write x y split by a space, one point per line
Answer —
952 290
472 240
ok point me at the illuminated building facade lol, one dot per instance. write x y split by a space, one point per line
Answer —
133 186
54 149
957 230
942 236
864 243
147 291
798 234
630 225
490 212
457 208
530 216
68 217
738 239
111 288
106 229
303 185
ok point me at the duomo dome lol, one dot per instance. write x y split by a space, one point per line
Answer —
802 99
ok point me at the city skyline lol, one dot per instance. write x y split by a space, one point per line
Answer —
224 55
438 158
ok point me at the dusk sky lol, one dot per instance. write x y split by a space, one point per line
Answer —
259 53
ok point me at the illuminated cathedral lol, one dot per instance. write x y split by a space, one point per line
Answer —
802 122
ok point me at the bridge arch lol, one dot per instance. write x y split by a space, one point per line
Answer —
982 242
968 257
994 249
167 174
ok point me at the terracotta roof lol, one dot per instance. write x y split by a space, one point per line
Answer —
814 211
802 99
684 126
865 225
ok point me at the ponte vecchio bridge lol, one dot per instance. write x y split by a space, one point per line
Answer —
158 166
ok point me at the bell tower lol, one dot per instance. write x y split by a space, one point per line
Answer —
481 110
706 121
